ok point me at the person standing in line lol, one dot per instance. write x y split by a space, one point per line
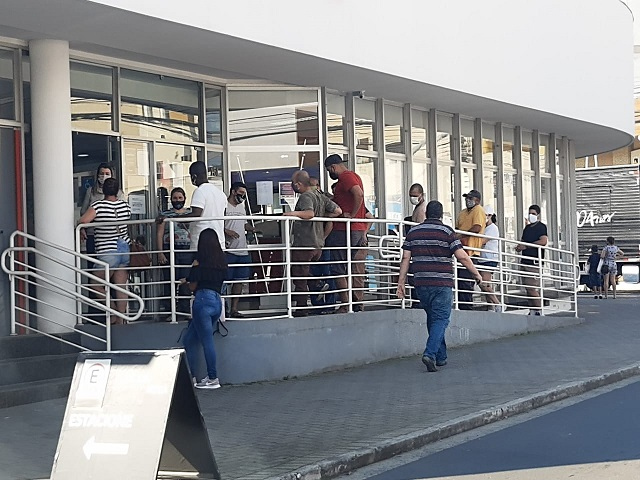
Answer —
92 195
535 232
112 242
181 243
206 277
609 255
238 256
349 195
207 201
472 219
489 257
416 197
427 252
308 237
595 278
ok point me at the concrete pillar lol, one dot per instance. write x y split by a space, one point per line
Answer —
52 174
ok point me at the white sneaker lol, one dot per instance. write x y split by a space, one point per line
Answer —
194 381
206 382
498 309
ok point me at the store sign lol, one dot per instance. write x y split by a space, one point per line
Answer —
589 217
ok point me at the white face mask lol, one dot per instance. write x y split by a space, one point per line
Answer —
102 178
533 218
470 203
414 200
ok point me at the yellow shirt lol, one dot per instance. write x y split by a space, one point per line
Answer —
466 220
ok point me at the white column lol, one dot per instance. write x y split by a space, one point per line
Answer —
52 172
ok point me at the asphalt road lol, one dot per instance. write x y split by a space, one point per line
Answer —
595 438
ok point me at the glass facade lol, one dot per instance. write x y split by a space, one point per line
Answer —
150 127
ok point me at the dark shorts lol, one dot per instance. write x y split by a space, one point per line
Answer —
242 272
487 263
338 238
595 280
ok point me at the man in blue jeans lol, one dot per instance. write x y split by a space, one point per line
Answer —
428 249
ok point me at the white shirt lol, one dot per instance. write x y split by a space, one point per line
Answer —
236 225
212 201
491 245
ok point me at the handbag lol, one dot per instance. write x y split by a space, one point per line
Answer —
600 265
605 269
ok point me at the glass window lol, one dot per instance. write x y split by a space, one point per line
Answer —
395 194
172 169
509 194
365 124
273 117
488 144
489 190
419 123
527 149
467 179
444 124
91 97
466 140
213 115
445 193
215 170
420 174
527 191
26 87
545 206
366 168
161 107
7 95
508 135
544 153
336 120
275 167
393 129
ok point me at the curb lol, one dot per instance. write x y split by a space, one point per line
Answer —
355 459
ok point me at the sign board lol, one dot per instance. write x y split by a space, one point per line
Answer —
133 414
264 192
138 204
287 195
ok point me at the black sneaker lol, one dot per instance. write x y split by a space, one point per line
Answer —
430 363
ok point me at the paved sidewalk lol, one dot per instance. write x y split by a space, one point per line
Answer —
271 429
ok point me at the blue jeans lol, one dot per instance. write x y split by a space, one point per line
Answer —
437 302
206 310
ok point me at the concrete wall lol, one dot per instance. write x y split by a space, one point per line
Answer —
265 350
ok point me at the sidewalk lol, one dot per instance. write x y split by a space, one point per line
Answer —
271 429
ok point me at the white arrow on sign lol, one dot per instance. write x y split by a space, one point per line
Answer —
94 448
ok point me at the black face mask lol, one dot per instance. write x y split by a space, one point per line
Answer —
333 175
194 180
177 205
240 198
295 188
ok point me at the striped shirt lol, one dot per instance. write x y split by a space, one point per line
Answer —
108 211
431 245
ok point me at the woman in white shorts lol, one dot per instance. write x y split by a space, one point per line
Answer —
489 258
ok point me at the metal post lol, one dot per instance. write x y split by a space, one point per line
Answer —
349 266
287 254
172 269
107 313
540 280
501 249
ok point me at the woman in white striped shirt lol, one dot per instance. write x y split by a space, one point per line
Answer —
112 242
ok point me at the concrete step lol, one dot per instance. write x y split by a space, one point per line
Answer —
28 346
40 367
31 392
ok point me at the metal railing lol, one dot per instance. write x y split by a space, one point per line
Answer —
371 280
61 280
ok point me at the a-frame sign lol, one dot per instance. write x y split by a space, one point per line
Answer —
133 414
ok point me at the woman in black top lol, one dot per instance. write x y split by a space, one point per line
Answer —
595 279
207 274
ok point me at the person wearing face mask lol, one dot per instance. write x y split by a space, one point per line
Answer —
535 233
349 195
238 257
182 244
416 198
472 219
92 195
207 201
308 237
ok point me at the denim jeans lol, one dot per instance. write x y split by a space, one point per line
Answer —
206 310
437 302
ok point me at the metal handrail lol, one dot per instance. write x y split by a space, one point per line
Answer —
32 275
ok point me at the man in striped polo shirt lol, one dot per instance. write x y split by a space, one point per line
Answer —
428 249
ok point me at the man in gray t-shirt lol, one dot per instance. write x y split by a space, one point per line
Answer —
308 237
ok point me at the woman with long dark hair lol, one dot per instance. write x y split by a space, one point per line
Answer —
609 255
207 274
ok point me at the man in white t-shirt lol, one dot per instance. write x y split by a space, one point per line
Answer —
207 201
238 256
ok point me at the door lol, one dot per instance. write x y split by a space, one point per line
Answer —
10 179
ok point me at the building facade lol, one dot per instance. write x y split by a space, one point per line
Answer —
454 96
